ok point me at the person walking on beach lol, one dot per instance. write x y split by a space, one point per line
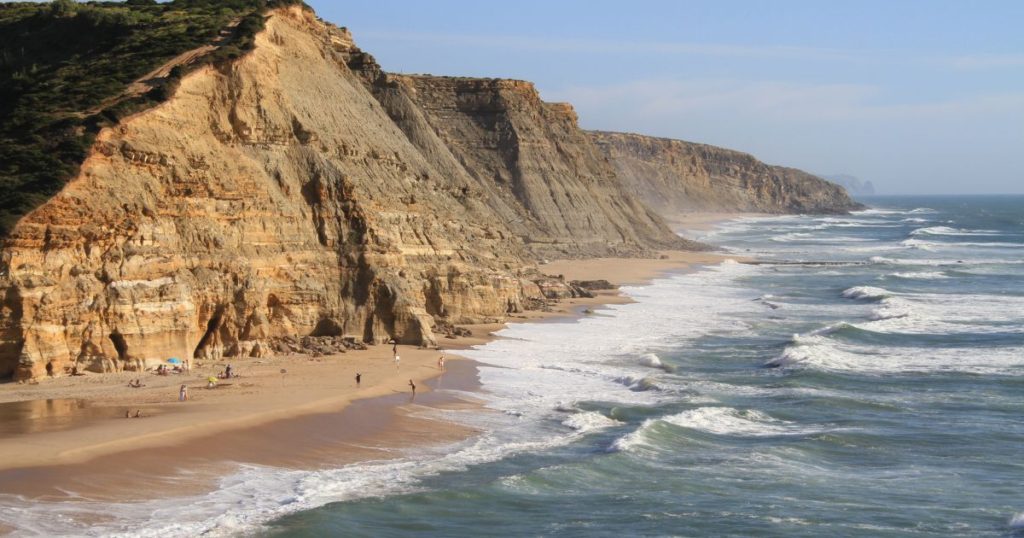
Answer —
183 393
413 385
359 377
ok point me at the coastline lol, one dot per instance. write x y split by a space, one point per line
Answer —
247 422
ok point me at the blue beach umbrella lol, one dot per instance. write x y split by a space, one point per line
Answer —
174 360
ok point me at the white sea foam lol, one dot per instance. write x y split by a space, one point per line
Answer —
730 421
892 308
716 420
881 260
946 230
1017 521
792 236
879 212
866 292
823 353
918 244
920 275
589 421
651 360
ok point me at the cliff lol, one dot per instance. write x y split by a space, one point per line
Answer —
270 198
525 160
673 176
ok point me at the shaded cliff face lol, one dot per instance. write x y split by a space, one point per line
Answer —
272 198
674 176
525 160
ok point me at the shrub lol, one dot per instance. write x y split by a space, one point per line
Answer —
63 66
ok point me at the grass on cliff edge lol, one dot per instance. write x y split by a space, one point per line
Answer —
63 65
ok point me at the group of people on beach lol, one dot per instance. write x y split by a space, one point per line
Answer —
398 362
163 369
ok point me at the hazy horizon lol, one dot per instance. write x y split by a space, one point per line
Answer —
917 97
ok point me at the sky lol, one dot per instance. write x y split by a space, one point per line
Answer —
920 97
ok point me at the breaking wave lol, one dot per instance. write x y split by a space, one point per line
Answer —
920 275
866 292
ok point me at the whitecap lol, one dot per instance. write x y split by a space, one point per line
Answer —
716 420
651 360
940 262
920 275
821 353
588 421
920 245
892 308
866 292
946 230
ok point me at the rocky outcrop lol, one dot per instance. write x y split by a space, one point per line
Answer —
271 199
674 176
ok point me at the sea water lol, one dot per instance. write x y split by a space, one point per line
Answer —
866 378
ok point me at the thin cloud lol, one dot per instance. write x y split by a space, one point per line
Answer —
778 101
612 46
985 61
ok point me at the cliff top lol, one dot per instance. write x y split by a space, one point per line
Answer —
666 140
69 69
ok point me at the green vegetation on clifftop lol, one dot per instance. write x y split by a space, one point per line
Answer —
65 68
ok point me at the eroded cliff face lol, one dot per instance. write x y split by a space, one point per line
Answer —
273 198
525 160
673 176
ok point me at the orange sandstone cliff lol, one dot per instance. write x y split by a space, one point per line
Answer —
273 198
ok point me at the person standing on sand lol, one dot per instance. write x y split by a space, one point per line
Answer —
359 377
413 385
183 393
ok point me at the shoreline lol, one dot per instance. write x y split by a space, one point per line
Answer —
206 432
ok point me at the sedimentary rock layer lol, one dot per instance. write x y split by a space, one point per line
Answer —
673 176
524 159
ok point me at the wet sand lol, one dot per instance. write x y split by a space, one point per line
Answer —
367 429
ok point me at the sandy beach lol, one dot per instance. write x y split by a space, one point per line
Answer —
74 430
697 222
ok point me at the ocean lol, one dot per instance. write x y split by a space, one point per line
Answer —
864 378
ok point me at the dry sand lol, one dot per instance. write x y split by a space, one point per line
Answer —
304 418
